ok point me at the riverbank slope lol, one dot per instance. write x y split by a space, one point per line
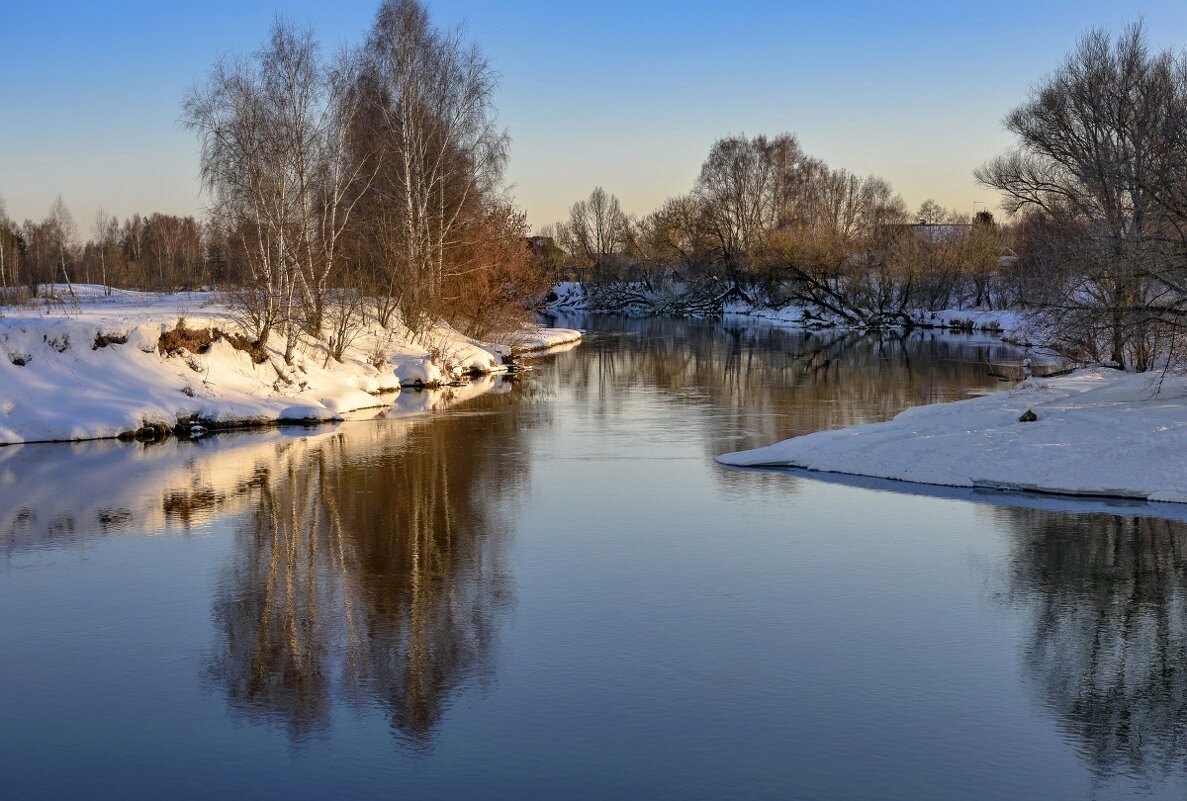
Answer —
90 365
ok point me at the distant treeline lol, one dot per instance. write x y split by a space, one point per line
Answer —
157 252
784 227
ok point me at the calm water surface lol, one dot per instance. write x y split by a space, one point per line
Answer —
550 590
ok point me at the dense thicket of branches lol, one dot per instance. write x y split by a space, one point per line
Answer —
428 126
1098 180
373 177
782 227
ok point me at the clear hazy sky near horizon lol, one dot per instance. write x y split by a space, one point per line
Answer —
625 95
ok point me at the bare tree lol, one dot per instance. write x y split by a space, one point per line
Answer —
675 237
1092 157
252 119
338 179
747 187
5 266
62 234
104 229
595 232
430 118
133 239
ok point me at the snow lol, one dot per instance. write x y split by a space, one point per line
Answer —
125 484
542 338
1099 432
91 369
569 295
1010 323
788 315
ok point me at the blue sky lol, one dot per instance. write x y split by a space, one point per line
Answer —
626 95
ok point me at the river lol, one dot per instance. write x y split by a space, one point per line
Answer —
546 588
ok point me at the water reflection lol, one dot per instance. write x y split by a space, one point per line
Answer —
57 495
1107 646
354 581
374 570
793 381
368 565
738 386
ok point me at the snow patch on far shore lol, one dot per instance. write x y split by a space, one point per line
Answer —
1098 432
572 296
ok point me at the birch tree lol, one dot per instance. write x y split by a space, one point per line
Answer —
6 266
431 120
243 170
104 229
338 182
62 233
273 131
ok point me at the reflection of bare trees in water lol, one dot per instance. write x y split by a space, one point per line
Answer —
1108 650
841 378
435 582
276 607
748 385
372 574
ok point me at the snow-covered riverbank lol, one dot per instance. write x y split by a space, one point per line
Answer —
1010 325
142 488
1097 432
99 368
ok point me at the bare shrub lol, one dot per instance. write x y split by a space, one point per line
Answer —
343 317
496 293
378 356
